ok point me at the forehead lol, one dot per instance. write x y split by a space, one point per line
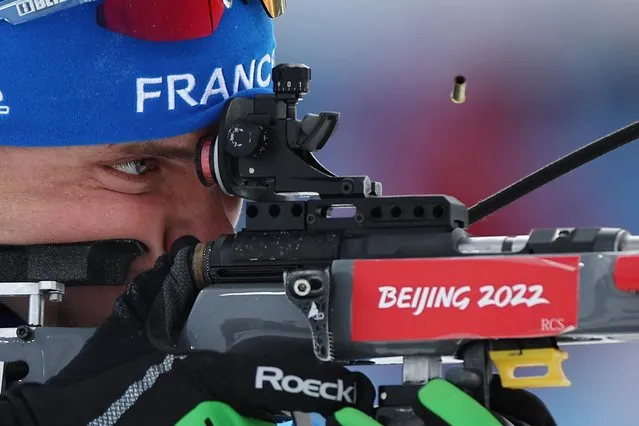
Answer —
182 146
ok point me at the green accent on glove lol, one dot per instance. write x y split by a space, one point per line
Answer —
352 417
215 413
454 406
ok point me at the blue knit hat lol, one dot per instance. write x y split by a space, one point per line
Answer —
64 80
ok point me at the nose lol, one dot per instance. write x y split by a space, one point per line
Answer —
199 211
185 208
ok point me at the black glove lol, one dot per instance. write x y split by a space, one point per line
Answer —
120 378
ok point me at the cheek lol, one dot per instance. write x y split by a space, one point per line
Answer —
121 216
178 206
96 216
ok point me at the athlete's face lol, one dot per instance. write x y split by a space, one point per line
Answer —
144 191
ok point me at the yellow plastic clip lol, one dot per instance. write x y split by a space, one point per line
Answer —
507 361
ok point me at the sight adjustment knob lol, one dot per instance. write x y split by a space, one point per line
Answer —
246 139
291 78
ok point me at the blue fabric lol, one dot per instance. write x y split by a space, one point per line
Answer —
64 80
316 420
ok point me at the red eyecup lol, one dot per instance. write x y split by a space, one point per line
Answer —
203 153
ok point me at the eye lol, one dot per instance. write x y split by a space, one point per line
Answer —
135 167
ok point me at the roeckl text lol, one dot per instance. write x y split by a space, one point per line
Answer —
276 379
419 299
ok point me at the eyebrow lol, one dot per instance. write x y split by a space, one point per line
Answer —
155 149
